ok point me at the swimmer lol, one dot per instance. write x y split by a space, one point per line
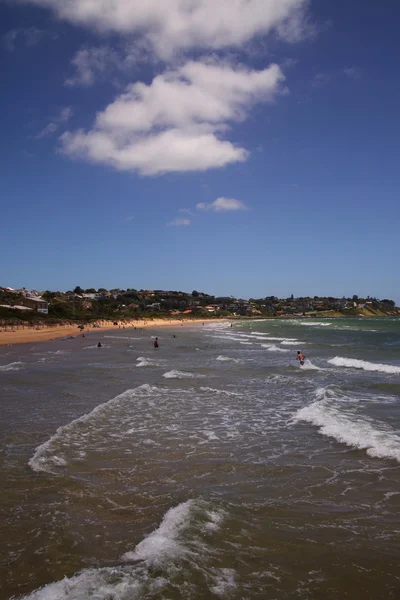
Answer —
300 357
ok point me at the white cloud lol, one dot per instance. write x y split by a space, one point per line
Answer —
173 25
64 116
130 218
90 63
179 223
177 122
352 72
28 36
222 205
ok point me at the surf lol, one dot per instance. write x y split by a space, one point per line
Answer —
14 366
179 543
49 456
174 374
334 415
364 365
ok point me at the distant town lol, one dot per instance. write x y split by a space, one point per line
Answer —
90 304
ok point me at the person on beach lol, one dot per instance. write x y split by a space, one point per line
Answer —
300 356
156 343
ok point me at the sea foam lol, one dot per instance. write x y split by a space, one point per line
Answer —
222 358
47 456
274 348
314 323
142 361
165 550
174 374
14 366
163 542
337 419
355 363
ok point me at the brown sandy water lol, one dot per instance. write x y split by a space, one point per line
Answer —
212 468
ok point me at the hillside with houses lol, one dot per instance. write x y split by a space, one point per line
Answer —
91 304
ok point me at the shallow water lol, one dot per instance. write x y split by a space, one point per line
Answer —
214 467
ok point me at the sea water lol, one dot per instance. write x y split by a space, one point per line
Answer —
213 467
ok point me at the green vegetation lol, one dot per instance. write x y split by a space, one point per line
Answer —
89 305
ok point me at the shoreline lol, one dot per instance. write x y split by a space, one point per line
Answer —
28 335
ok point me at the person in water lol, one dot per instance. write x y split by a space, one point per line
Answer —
156 343
99 345
300 356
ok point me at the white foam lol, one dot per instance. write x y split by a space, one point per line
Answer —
226 392
174 374
145 362
160 550
247 343
354 363
97 584
274 348
314 323
338 421
293 343
224 582
222 358
14 366
258 333
45 457
163 542
276 339
309 366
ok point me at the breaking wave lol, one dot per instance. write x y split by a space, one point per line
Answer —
14 366
228 359
179 543
48 457
355 363
164 541
335 415
309 366
274 348
180 375
215 391
142 361
314 323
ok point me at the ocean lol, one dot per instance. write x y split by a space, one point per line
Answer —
213 467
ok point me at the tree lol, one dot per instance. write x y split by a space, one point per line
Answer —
78 290
195 294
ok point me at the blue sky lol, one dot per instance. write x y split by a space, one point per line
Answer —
154 146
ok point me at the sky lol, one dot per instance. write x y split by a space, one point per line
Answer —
236 147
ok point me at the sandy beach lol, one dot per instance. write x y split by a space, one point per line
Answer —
19 335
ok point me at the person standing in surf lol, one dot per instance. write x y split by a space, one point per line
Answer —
156 343
300 356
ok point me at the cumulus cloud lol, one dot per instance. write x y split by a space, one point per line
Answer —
64 116
222 205
177 122
179 223
174 25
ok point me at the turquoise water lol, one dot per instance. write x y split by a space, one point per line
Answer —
214 467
